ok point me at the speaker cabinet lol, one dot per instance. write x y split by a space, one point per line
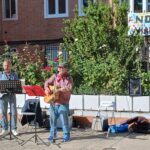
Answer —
135 86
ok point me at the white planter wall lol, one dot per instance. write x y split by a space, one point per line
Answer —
76 102
106 99
141 103
123 103
20 100
92 102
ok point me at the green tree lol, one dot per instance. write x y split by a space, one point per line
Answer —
101 53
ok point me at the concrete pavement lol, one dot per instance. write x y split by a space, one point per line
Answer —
81 139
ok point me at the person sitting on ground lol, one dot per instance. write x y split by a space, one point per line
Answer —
138 124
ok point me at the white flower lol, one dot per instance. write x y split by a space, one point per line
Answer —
137 49
75 39
60 53
104 45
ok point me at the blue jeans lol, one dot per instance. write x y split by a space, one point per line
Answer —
55 112
4 100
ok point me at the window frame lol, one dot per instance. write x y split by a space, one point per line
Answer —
3 11
57 14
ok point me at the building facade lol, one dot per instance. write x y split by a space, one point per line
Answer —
41 21
36 22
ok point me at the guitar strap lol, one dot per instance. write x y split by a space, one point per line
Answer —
55 80
55 84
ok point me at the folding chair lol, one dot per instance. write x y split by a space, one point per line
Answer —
105 106
30 112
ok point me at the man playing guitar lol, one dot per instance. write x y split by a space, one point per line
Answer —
62 83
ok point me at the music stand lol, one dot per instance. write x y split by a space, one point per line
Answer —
11 87
34 90
37 91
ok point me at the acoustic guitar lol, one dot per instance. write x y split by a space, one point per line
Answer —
50 98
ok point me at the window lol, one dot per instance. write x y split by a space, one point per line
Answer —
82 4
148 6
51 52
138 6
55 8
10 9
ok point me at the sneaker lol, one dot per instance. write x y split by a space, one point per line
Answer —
66 137
4 132
51 138
14 132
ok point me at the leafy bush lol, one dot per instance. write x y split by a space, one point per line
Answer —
102 56
145 83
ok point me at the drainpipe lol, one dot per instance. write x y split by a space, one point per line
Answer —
144 2
131 5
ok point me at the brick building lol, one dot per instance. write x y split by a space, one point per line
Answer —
36 22
41 21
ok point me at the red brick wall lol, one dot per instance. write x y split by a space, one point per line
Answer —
0 21
31 24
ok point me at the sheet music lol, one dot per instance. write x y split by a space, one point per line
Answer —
13 86
34 90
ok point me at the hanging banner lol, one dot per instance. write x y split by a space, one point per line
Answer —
139 23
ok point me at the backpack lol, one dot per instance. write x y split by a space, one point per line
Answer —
118 128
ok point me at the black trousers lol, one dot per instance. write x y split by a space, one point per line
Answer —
139 124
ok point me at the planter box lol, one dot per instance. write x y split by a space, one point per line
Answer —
106 99
76 102
91 102
123 103
141 103
20 100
